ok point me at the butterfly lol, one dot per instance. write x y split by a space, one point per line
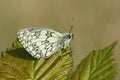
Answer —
43 42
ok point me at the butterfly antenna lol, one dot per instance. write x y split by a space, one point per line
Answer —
71 29
71 25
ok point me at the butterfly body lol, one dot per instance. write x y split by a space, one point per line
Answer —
43 42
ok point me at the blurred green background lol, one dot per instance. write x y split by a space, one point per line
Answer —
96 22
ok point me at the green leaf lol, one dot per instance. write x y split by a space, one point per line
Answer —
98 65
17 64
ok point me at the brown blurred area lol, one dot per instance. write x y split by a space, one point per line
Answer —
96 23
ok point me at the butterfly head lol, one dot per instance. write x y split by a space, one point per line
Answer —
67 38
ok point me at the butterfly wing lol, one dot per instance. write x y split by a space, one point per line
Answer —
40 42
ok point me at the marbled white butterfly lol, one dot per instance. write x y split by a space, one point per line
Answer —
43 42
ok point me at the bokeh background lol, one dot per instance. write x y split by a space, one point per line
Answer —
96 22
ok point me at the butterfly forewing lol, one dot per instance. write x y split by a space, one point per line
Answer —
40 42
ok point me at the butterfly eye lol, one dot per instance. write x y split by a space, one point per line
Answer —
69 36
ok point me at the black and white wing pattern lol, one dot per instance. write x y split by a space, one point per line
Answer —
43 42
